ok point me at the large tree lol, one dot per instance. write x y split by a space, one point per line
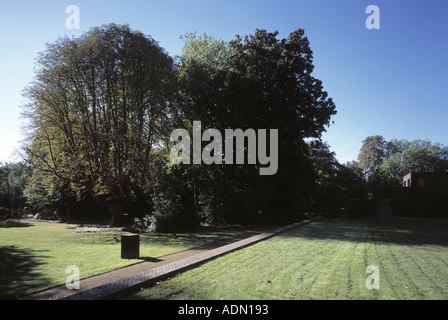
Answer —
371 157
97 110
258 82
272 86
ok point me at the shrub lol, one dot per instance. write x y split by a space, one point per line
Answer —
140 225
220 206
171 213
47 214
4 213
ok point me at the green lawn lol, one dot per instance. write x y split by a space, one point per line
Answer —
326 259
34 255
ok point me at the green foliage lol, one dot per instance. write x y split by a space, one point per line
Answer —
371 156
335 183
352 179
206 51
13 177
386 162
102 107
258 82
173 205
230 197
171 214
403 157
97 112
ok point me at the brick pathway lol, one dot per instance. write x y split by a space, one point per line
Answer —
108 285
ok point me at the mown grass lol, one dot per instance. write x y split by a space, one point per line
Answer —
326 259
34 255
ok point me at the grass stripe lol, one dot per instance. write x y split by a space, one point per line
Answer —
326 259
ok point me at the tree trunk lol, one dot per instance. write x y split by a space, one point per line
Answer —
68 211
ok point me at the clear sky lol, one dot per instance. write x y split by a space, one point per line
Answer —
390 81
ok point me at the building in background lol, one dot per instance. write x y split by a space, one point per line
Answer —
426 179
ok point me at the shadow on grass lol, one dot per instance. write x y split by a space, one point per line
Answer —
18 275
402 231
196 238
14 224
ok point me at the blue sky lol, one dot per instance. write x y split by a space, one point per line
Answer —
390 81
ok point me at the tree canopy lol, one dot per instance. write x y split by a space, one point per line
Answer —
403 156
262 82
102 106
384 163
97 110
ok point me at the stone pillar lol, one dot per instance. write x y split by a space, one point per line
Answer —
130 246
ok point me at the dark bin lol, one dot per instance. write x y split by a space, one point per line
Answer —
130 246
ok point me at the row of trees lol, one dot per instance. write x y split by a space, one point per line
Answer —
384 163
380 163
102 106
